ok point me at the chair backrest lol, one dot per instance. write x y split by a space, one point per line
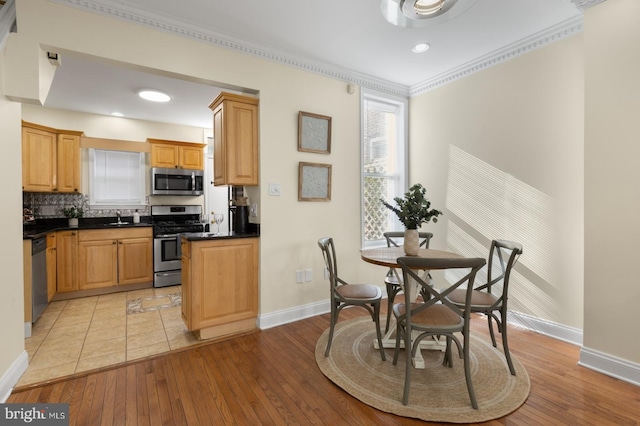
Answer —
396 239
330 261
499 251
411 266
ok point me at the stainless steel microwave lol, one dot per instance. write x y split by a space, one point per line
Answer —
176 181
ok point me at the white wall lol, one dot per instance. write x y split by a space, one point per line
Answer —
612 201
502 150
13 358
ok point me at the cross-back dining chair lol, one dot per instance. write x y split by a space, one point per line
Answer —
344 294
393 281
436 315
491 297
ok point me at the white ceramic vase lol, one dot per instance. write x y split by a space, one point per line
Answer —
411 242
73 222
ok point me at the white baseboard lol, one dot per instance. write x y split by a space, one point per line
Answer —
610 365
298 313
13 374
557 331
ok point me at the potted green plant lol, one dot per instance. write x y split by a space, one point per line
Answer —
73 213
413 210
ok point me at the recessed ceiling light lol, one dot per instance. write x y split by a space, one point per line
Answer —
154 96
117 114
427 7
421 47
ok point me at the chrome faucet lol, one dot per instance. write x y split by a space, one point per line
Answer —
118 214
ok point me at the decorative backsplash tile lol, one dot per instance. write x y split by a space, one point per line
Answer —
48 206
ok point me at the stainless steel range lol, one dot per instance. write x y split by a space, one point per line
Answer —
168 223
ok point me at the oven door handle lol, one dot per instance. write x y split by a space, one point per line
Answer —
167 236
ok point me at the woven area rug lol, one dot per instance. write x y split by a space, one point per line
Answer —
437 393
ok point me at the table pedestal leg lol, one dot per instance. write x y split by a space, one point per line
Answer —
389 342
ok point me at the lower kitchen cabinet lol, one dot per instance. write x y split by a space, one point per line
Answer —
114 257
67 260
220 286
52 268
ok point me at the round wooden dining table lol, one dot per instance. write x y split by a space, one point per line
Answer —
388 257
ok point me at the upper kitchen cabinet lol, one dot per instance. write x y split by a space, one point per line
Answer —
50 159
235 140
177 155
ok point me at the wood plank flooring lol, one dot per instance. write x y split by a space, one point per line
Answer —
271 378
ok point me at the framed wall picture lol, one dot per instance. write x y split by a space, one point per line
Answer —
314 133
314 182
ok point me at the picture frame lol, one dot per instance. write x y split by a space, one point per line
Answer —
314 182
314 133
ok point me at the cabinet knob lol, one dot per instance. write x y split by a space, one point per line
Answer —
113 242
119 242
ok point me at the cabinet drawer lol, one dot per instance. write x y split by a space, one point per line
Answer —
114 234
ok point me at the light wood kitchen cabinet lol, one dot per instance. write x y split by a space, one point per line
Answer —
176 154
235 140
220 286
52 268
50 159
68 164
114 257
67 260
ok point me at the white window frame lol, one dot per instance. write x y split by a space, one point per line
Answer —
401 105
100 201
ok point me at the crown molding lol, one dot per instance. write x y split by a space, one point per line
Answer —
583 5
564 29
108 8
119 11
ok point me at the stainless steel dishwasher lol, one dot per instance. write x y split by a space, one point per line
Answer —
39 298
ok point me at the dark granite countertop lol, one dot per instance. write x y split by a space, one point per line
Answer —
200 236
42 227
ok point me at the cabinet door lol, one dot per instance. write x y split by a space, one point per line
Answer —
186 278
97 264
52 268
191 158
224 278
39 161
67 260
135 260
164 156
219 152
242 143
68 165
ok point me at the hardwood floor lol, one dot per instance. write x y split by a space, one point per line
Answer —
271 378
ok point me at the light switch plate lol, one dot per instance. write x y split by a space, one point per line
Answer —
274 189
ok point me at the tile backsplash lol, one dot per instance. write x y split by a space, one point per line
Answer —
48 206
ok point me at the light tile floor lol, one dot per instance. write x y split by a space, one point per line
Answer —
72 336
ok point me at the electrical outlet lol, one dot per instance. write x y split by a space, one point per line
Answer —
47 210
308 275
299 277
253 210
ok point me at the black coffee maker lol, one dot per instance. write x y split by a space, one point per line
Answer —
241 216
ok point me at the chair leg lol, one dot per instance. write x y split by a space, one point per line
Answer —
467 372
392 290
397 349
408 349
334 319
376 319
505 345
490 319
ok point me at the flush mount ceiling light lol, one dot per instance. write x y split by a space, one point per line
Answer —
154 96
117 114
421 13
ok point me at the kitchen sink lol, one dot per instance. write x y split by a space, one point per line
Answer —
117 223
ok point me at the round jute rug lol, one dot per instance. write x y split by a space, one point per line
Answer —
437 393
